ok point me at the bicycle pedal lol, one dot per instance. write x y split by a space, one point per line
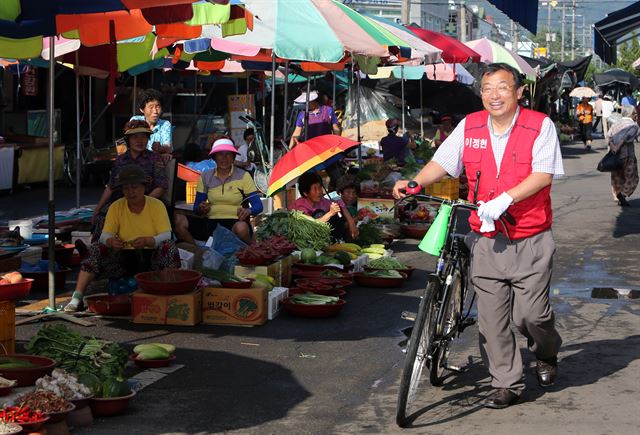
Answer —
455 369
408 315
469 321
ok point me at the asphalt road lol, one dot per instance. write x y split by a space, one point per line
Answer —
340 375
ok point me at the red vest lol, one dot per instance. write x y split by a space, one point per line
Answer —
532 215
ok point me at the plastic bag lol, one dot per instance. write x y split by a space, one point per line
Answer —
225 242
212 259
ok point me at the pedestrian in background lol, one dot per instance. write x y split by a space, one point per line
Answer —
628 99
597 109
621 142
608 106
584 113
511 277
150 106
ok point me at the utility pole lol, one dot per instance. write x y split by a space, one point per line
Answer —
405 11
573 31
549 30
462 22
584 38
562 41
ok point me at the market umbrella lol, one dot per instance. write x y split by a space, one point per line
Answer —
313 154
453 51
582 92
492 52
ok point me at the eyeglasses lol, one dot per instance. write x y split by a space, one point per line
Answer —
501 89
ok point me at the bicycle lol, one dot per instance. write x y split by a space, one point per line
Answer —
89 155
443 313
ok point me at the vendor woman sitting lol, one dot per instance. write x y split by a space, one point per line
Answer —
314 204
136 237
226 195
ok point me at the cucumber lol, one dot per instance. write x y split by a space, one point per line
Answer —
168 347
156 352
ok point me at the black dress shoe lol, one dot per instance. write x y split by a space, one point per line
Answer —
501 398
622 201
547 371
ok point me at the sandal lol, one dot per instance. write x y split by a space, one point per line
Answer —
75 304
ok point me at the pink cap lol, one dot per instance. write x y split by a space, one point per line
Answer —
223 144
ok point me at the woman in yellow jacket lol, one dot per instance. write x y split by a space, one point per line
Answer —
584 112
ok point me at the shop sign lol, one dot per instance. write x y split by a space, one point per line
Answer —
29 83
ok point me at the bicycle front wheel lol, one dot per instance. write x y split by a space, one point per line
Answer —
449 322
418 351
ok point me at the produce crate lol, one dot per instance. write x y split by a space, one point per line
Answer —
448 188
191 191
227 306
7 327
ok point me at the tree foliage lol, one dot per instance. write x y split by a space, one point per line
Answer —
628 53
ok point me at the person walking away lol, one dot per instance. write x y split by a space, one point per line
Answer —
510 277
628 99
394 146
445 129
150 105
608 106
584 113
622 136
321 120
597 110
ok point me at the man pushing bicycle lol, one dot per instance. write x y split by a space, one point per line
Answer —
512 154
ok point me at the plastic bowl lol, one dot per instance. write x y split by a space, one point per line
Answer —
5 390
334 283
34 425
19 290
235 284
333 292
408 271
64 254
151 363
15 249
55 417
14 428
41 279
415 231
313 310
111 305
379 282
81 403
321 267
110 406
27 376
313 287
317 274
169 281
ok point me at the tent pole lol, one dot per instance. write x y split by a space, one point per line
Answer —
246 101
333 94
78 145
285 100
306 109
402 89
133 95
272 122
421 112
358 118
90 110
52 206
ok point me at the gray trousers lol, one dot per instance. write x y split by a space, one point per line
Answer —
512 284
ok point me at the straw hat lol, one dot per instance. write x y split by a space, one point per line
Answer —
137 126
313 95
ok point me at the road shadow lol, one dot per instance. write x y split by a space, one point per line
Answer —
234 393
628 220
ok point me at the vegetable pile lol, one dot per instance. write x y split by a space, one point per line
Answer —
7 362
383 273
313 299
20 414
369 235
4 383
9 428
302 230
44 401
77 354
387 263
152 351
220 275
63 384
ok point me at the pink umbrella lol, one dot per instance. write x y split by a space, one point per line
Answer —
491 52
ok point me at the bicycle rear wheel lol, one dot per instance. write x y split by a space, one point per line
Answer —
448 323
70 165
418 350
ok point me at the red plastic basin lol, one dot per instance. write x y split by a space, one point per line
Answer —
10 292
151 363
27 376
111 305
110 406
169 281
313 310
408 271
379 282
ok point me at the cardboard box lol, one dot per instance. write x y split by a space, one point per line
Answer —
183 310
280 271
227 306
381 207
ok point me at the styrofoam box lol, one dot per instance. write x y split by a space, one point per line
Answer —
276 296
186 259
360 262
31 255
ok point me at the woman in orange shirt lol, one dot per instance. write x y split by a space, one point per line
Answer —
584 112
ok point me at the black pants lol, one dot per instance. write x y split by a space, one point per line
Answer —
585 132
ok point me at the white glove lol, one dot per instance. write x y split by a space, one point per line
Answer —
493 209
487 226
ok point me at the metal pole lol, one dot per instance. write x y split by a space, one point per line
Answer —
285 99
402 91
562 36
333 94
52 206
272 123
133 100
549 29
246 102
90 110
195 97
573 30
78 163
306 109
358 118
422 108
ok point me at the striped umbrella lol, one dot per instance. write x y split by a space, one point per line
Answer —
492 52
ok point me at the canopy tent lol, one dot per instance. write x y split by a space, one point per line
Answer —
524 12
615 77
608 31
